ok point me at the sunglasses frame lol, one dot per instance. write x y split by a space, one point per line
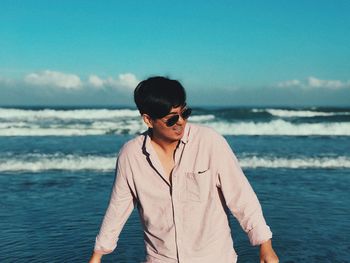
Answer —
174 119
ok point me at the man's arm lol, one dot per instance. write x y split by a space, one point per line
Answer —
241 199
267 254
95 258
119 209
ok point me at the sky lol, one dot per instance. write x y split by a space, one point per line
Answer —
225 53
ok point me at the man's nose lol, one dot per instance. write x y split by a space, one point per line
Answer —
180 120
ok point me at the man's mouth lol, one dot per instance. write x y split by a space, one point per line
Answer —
177 129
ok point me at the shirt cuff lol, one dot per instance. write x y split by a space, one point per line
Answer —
259 234
102 249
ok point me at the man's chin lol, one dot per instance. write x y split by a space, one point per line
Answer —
179 132
175 137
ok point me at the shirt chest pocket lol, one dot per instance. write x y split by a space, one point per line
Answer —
198 185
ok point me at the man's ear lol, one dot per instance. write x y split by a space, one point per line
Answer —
148 120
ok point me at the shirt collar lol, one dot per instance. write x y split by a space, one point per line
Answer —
184 138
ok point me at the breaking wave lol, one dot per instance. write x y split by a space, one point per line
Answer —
72 162
299 113
81 122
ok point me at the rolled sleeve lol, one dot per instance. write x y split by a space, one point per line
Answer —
259 234
119 209
239 196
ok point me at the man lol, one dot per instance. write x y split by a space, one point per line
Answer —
183 178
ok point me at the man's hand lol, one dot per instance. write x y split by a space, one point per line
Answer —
95 258
267 254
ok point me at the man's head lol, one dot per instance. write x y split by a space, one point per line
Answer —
162 104
156 96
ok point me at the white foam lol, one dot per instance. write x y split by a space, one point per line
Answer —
47 162
81 114
74 129
276 162
281 127
6 125
299 113
16 122
202 118
135 126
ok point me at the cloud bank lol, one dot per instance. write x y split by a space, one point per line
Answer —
54 78
314 83
49 87
54 88
126 80
311 91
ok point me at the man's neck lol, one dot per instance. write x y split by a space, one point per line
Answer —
165 146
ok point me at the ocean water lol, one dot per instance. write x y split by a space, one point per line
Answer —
57 170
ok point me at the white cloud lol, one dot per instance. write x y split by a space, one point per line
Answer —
95 81
320 83
289 83
314 83
126 80
54 78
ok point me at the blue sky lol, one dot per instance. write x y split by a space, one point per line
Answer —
224 52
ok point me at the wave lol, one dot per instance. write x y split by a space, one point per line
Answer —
45 162
19 115
81 122
13 114
299 113
136 126
77 114
296 163
71 162
202 118
281 127
73 129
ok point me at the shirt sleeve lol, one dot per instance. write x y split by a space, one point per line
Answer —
239 196
119 209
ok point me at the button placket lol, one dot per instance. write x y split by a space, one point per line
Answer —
175 210
176 202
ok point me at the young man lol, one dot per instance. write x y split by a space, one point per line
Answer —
183 178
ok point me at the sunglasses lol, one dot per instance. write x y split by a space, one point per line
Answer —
174 119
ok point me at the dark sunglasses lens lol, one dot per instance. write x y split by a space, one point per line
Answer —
172 120
186 113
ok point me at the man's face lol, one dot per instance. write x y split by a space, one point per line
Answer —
172 133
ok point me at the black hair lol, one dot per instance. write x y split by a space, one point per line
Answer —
156 96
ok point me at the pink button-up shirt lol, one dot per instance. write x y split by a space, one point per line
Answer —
184 220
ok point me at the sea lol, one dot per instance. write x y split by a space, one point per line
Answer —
57 170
